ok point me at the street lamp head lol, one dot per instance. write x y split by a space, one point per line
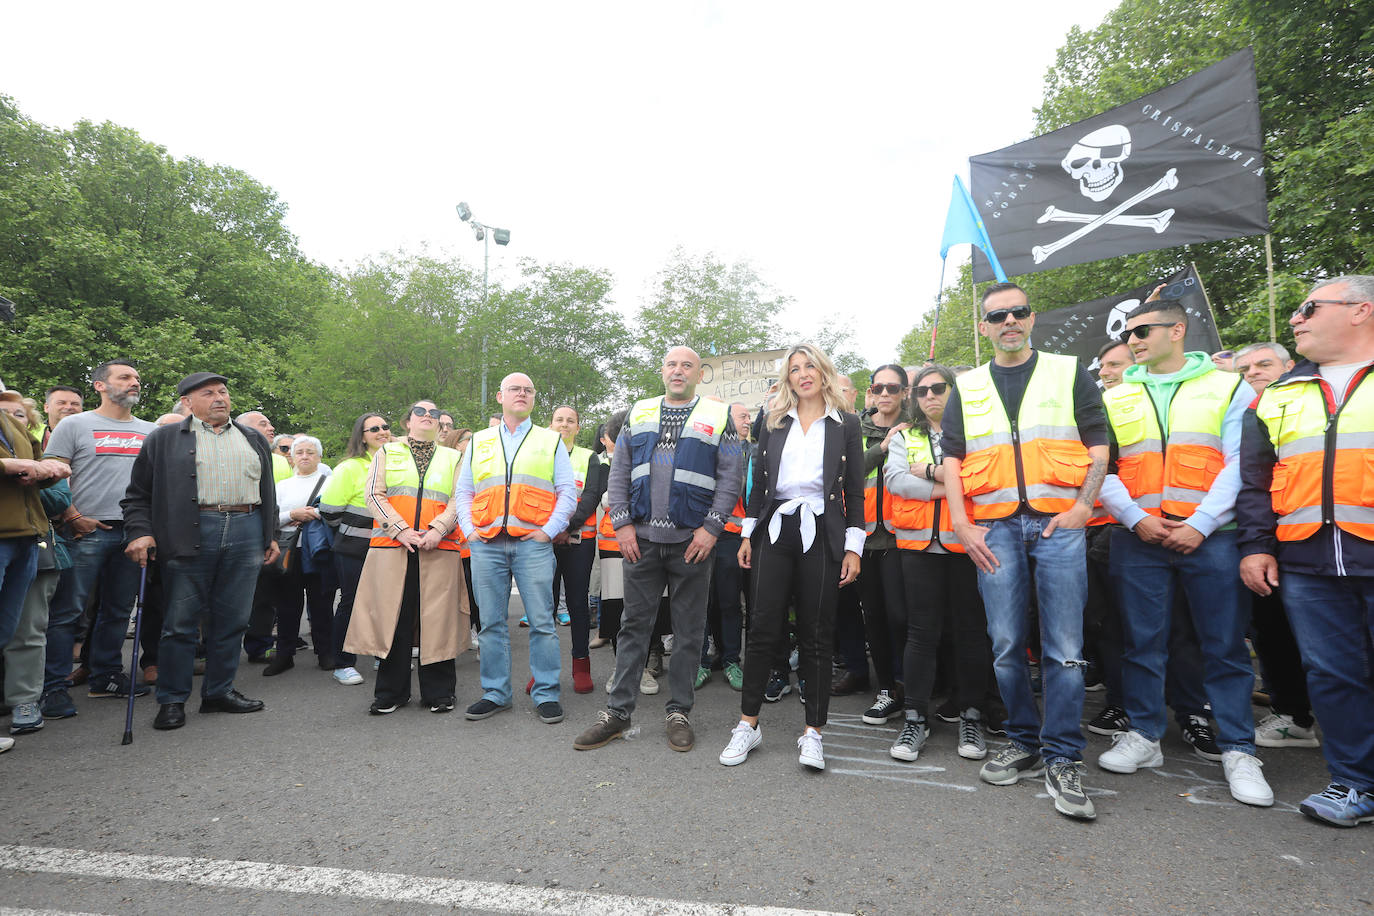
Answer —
464 211
478 231
501 236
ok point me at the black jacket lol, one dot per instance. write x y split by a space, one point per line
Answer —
161 500
843 471
1329 552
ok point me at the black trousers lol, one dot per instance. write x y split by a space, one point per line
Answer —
474 617
942 597
786 577
1280 661
439 680
295 591
572 571
349 570
885 624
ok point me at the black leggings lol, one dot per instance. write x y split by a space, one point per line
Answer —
942 591
885 613
573 572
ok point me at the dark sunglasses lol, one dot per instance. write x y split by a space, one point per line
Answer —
998 316
418 411
937 389
1309 308
1141 331
888 388
377 429
284 449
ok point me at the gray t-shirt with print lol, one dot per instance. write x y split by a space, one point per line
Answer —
101 452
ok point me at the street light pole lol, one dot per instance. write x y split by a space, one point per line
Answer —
484 234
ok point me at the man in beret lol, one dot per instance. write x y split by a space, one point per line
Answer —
201 494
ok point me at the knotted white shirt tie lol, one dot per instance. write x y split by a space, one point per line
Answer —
806 522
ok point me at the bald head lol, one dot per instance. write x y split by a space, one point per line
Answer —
516 397
681 374
258 420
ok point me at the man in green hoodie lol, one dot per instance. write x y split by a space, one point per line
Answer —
1175 441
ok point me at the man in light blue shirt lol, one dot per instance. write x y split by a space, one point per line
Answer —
509 540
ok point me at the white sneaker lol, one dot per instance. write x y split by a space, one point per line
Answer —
1279 730
647 684
348 676
743 739
1245 779
6 743
668 644
810 746
1130 751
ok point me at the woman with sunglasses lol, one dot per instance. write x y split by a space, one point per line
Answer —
411 589
941 581
801 536
344 508
881 588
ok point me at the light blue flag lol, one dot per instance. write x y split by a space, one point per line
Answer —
963 224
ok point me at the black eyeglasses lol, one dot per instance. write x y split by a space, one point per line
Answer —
888 388
937 389
1309 308
418 411
999 316
377 429
1141 331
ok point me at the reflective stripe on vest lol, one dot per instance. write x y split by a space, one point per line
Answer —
524 502
1169 474
581 459
871 500
694 460
1313 459
343 495
418 501
914 521
1044 453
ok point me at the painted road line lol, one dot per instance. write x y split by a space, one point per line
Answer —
11 911
345 882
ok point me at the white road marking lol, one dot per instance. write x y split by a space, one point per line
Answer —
345 882
10 911
894 776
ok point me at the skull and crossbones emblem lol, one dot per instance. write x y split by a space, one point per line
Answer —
1096 162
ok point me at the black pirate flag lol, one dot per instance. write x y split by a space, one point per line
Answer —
1177 166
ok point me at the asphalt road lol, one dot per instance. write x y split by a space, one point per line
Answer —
417 812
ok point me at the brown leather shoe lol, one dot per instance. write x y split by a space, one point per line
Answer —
80 675
607 727
848 684
680 735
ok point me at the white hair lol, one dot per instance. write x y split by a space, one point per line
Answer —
1361 285
307 440
1279 350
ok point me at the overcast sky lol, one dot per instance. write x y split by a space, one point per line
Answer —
817 142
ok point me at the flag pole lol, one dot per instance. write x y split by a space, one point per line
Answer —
973 300
1269 266
935 328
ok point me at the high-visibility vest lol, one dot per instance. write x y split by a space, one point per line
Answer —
694 460
1041 452
1168 474
581 459
1323 474
605 534
915 521
524 502
415 500
735 524
281 468
344 494
872 483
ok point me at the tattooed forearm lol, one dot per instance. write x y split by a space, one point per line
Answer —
1087 494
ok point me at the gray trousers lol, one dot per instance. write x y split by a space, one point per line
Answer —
26 652
688 586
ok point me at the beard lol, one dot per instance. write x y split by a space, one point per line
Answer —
126 399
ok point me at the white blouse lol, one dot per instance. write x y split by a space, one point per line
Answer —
293 493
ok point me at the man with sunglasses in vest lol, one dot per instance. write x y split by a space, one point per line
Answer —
671 490
1175 425
1306 519
516 492
1026 440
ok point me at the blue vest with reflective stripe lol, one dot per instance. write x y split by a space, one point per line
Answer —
694 460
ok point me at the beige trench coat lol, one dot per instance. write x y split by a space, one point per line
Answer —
444 611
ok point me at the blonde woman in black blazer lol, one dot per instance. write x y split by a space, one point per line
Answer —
802 536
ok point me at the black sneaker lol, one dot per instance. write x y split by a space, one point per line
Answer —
1009 765
885 706
484 709
1111 720
550 712
778 687
443 704
1064 782
948 711
115 685
1198 732
385 707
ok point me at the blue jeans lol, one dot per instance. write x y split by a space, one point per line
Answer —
220 580
98 561
530 563
1333 620
1146 576
18 566
1061 585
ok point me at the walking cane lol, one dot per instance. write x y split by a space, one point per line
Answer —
133 656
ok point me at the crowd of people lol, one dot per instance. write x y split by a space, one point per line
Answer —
1008 537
